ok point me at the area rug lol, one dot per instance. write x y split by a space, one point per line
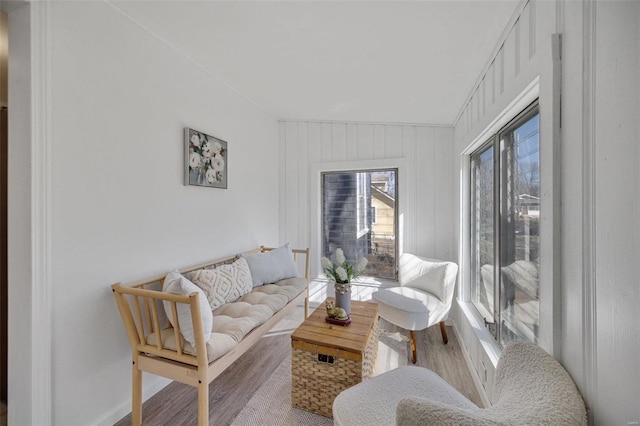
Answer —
271 404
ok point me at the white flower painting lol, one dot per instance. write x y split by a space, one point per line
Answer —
205 160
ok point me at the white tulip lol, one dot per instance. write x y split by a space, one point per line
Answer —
342 274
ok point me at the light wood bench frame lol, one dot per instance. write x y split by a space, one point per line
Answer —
141 308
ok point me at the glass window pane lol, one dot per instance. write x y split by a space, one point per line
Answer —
483 249
519 232
359 215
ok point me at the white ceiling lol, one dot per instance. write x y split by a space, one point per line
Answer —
396 61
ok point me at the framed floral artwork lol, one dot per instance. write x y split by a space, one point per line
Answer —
206 160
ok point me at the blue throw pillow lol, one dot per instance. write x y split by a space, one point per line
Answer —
271 266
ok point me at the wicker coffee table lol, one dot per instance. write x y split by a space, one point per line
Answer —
327 359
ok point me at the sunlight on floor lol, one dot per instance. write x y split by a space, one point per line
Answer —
392 351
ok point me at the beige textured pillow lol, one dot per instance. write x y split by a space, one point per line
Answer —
225 284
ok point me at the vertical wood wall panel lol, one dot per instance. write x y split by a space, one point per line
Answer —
338 141
282 179
303 234
500 72
352 141
515 54
291 185
473 108
443 174
409 140
525 32
314 142
427 151
393 142
517 46
483 95
365 141
425 202
510 55
532 29
325 142
378 141
409 134
491 84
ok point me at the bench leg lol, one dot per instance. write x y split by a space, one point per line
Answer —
136 396
443 331
412 338
203 403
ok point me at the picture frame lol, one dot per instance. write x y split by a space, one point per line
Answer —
206 160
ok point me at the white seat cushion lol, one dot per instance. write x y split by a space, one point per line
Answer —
373 402
409 308
233 321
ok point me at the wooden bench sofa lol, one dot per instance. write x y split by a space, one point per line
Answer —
152 319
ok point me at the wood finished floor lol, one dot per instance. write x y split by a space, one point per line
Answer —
176 404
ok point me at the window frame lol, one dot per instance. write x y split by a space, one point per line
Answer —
496 141
366 213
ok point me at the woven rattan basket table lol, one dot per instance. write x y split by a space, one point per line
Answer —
327 359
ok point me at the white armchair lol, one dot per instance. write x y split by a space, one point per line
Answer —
531 388
423 297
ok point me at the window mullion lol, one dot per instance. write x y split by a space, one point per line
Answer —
497 193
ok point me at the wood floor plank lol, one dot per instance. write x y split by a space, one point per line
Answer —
229 393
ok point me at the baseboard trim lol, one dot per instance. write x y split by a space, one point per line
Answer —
474 375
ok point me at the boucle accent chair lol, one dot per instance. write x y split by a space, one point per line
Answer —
423 297
531 388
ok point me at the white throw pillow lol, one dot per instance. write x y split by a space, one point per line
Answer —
176 283
271 266
425 274
224 284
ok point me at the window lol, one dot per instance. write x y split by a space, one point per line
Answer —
361 218
505 216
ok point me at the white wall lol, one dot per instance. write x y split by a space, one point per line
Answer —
616 228
119 99
425 194
596 333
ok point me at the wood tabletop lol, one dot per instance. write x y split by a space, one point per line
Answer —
352 338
